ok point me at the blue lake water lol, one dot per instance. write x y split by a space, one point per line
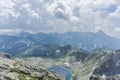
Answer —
63 71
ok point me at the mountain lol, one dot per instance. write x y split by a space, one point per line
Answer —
47 51
16 69
109 70
103 65
90 41
90 56
86 40
33 43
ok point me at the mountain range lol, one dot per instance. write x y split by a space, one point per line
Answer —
26 43
90 56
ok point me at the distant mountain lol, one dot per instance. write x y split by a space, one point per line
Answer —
90 41
86 40
29 42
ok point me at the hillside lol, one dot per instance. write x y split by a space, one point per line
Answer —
16 69
109 70
84 53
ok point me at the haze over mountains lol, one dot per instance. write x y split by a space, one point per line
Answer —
66 49
89 41
86 40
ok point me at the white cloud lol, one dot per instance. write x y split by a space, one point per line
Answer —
98 28
60 15
6 4
26 6
9 31
7 9
39 1
117 29
33 14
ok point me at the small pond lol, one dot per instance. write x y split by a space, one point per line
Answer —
63 71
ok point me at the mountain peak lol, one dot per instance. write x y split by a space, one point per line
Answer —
23 32
100 32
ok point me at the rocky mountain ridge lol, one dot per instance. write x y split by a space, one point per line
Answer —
16 69
26 42
102 65
109 70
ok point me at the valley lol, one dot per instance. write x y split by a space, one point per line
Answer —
59 39
64 55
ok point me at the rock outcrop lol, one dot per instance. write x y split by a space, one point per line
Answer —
19 70
109 70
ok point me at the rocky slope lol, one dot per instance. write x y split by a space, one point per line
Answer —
109 70
94 60
100 65
19 70
103 65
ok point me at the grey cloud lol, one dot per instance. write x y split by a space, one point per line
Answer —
59 13
60 16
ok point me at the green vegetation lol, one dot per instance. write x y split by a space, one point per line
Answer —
18 71
75 77
24 77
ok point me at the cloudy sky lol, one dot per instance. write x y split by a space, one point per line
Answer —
60 16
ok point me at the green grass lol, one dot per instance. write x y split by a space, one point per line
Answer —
18 71
22 75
